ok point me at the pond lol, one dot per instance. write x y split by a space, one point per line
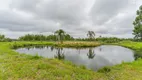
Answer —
93 58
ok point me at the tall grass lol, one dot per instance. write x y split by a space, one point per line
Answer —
78 44
14 66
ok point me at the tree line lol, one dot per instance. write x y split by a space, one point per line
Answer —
4 39
59 35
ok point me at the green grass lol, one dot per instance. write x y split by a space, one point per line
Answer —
79 44
73 44
132 45
128 71
15 66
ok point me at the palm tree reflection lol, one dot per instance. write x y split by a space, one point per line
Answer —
91 54
39 47
100 49
78 50
28 48
60 54
52 48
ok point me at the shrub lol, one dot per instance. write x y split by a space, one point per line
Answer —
104 70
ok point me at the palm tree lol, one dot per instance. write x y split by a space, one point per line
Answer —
91 34
60 35
90 54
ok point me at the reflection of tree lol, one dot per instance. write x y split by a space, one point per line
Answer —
52 48
47 47
59 54
138 54
100 49
78 50
28 48
91 54
39 46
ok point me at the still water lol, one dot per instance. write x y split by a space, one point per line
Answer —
92 58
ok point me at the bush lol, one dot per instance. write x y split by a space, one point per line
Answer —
104 70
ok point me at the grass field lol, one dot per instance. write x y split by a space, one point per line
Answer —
14 66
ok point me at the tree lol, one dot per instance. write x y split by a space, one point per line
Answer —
41 37
91 34
138 25
60 35
2 37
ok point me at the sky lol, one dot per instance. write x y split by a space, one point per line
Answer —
108 18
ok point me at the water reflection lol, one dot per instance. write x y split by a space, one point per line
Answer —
28 48
98 62
138 54
91 53
51 48
79 50
92 58
59 54
41 46
100 49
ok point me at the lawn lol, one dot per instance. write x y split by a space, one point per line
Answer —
15 66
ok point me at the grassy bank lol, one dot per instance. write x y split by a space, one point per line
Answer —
16 66
132 45
74 44
128 71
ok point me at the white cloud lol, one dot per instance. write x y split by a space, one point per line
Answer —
108 18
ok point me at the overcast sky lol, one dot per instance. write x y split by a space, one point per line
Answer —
76 17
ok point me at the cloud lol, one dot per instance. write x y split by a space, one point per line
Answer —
102 10
15 22
114 17
108 18
63 11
